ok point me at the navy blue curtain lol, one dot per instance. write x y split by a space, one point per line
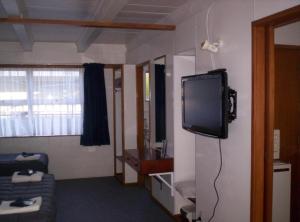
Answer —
95 121
160 103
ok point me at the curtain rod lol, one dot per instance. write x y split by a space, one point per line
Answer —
107 66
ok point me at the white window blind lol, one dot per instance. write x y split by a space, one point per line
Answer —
40 102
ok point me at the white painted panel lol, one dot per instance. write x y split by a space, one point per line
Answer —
67 159
281 206
130 118
162 193
118 116
149 8
119 166
131 175
184 141
263 8
169 106
174 3
61 53
186 41
130 130
7 33
230 21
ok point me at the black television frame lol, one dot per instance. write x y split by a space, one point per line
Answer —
229 104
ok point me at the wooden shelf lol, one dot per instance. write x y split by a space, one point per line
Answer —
149 163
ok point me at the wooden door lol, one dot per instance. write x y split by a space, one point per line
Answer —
287 115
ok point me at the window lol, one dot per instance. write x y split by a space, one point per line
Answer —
40 102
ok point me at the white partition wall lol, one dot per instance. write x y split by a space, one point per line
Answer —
118 123
184 141
130 118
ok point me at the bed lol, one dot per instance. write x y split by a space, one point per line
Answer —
45 189
9 164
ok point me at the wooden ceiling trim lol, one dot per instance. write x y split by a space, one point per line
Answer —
90 24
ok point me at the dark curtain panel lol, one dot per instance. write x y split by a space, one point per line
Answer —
95 121
160 102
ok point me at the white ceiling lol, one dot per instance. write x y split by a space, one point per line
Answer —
138 11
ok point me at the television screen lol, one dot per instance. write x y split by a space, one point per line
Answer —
205 102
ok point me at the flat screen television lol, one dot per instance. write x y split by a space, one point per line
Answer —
207 104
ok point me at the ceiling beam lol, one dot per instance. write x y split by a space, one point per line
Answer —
105 10
89 24
17 8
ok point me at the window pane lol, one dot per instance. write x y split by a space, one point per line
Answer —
57 109
14 119
56 102
13 85
56 87
40 102
13 92
13 110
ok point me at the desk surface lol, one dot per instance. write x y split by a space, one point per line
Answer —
150 163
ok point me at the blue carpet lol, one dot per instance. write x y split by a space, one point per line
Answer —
105 200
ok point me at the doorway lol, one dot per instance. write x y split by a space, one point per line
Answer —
287 123
264 110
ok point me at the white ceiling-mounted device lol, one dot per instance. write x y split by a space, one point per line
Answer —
212 47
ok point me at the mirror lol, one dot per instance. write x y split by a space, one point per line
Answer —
159 100
118 123
147 107
154 103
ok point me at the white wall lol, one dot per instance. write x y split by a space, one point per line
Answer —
130 118
288 34
67 158
61 53
118 116
184 141
229 20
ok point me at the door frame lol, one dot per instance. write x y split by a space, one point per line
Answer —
263 84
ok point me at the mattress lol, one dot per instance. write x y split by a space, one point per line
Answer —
9 164
45 189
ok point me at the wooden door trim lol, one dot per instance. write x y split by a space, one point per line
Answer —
140 114
123 122
119 67
263 82
140 109
114 122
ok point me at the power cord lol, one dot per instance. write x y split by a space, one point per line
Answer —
215 181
